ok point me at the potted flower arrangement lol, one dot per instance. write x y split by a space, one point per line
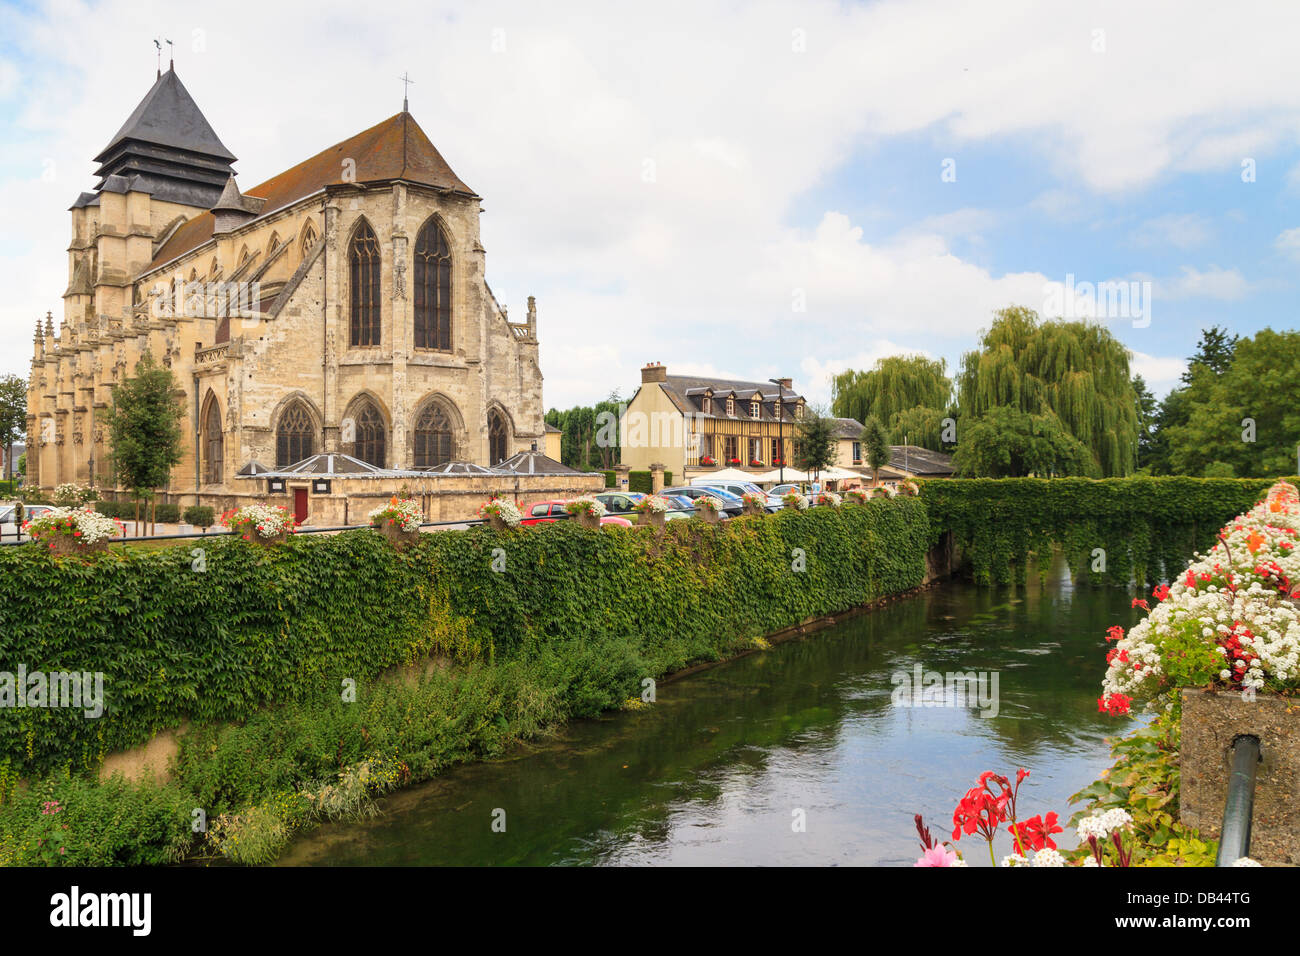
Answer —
588 511
794 501
653 510
909 488
755 504
73 530
829 498
708 461
855 496
883 491
733 461
709 508
755 463
399 520
262 524
499 514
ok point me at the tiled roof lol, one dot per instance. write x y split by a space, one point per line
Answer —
920 461
395 149
848 428
534 463
168 116
686 392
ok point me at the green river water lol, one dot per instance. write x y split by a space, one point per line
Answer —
715 771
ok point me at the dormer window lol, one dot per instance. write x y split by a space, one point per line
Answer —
731 405
706 405
798 410
754 409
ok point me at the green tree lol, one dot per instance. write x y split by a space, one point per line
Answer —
587 439
921 426
1214 351
816 441
13 416
1009 443
144 426
895 385
1074 372
1147 409
1246 417
875 441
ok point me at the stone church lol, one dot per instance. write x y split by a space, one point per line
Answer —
339 308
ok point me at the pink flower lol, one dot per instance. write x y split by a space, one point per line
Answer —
937 856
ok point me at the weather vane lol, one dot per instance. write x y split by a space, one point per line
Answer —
406 83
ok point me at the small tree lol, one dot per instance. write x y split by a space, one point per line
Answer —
876 440
13 416
145 429
816 442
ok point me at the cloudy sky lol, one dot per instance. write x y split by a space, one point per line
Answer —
748 189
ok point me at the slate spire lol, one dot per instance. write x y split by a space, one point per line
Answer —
167 148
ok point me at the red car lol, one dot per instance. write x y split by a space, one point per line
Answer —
546 512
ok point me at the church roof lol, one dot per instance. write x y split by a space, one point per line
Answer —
168 116
395 149
165 148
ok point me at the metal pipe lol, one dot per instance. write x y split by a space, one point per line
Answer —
1239 806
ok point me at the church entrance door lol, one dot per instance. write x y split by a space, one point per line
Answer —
300 505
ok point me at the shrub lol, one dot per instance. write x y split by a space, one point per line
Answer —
201 516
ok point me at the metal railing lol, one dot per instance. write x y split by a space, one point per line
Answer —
1239 805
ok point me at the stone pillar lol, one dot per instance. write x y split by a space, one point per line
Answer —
621 477
656 478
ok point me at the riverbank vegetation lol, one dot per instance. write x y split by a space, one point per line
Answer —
314 674
1111 531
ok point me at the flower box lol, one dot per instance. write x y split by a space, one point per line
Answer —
260 524
708 461
73 530
733 461
709 508
754 504
499 514
587 510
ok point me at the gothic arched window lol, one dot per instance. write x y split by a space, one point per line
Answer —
295 435
433 436
363 262
370 443
498 434
432 288
213 445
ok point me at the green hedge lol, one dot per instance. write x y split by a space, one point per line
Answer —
125 511
636 480
215 634
1149 528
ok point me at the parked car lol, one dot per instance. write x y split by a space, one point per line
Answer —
780 490
731 504
739 488
621 502
8 527
548 512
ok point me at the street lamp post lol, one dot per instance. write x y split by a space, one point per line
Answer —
780 426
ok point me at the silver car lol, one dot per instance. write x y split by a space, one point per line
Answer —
739 488
9 527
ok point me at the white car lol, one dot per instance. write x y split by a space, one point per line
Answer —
8 527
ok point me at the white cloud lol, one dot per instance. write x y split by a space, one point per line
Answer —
1161 373
1288 243
1182 231
1209 283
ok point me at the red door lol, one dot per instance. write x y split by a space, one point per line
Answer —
300 505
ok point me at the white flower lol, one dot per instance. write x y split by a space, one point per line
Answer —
1015 859
1048 857
1245 861
92 526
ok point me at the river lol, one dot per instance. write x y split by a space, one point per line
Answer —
730 759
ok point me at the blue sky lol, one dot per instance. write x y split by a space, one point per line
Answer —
749 189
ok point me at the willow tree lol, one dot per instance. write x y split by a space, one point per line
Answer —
896 384
1075 370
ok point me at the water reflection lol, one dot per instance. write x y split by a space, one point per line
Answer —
729 758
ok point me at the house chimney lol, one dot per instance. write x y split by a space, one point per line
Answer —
653 372
787 383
